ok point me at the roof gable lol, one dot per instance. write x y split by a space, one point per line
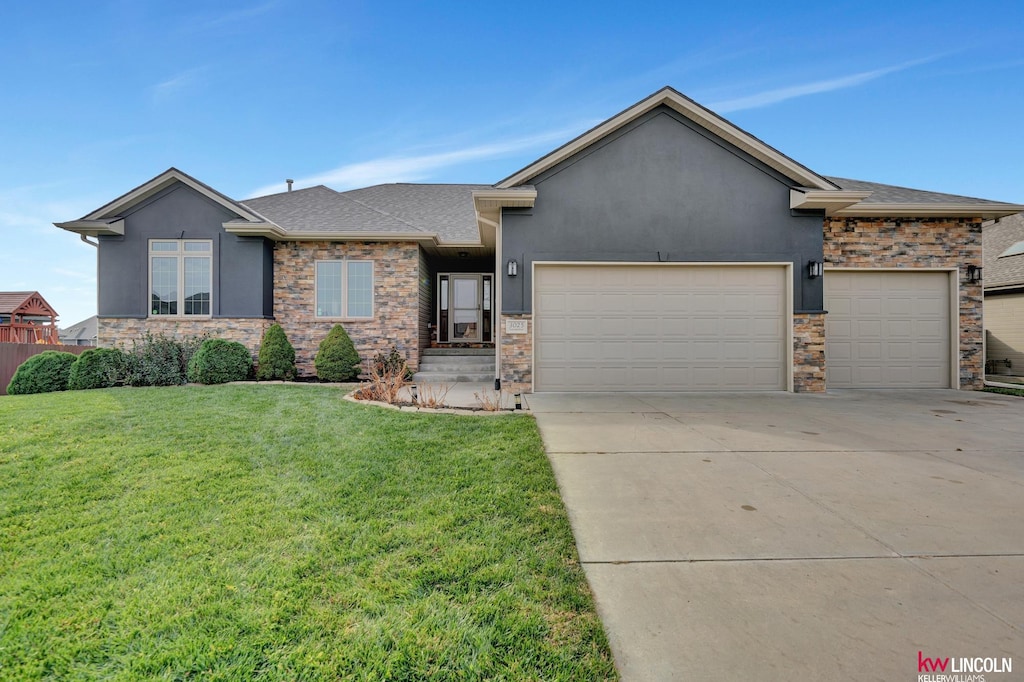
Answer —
1002 272
25 303
109 220
705 118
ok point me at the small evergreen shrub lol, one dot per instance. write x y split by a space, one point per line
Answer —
160 360
43 373
219 361
336 358
98 368
277 356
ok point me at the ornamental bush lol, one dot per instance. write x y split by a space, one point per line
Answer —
98 368
160 360
219 361
42 373
336 358
277 356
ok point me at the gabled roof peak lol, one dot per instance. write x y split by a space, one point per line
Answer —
701 116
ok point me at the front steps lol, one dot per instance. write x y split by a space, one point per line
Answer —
451 365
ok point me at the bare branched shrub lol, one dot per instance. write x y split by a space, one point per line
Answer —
433 395
385 382
489 401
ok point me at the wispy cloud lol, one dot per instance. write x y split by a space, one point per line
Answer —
234 17
174 86
768 97
413 168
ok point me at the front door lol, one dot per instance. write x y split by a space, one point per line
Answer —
466 318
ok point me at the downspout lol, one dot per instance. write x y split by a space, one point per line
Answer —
497 306
85 238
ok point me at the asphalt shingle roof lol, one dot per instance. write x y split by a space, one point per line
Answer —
996 238
444 210
892 194
12 300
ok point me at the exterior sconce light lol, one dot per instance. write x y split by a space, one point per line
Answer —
519 401
814 269
973 274
513 267
414 390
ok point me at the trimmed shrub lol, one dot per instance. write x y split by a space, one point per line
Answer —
336 358
277 356
98 368
159 360
219 361
42 373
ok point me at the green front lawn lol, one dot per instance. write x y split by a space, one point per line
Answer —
279 532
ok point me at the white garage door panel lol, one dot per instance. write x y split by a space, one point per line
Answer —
637 328
887 329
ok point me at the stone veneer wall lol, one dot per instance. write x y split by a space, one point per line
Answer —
808 352
516 355
121 332
395 321
909 243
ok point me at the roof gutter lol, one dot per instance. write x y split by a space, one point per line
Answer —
274 232
94 228
899 210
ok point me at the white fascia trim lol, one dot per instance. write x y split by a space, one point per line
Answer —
162 181
94 228
986 211
703 117
830 200
504 198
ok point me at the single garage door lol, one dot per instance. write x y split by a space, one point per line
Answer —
887 329
659 328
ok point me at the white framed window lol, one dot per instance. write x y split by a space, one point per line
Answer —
344 289
180 277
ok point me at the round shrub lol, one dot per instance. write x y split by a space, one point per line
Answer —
98 368
337 359
42 373
277 356
218 361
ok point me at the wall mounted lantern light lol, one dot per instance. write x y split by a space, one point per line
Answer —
814 269
973 273
513 267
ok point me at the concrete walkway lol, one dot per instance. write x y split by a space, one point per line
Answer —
796 537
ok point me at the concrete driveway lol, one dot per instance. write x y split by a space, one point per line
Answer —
797 537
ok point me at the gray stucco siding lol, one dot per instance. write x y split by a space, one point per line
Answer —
660 188
242 266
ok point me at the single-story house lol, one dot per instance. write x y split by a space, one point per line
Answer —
664 249
1004 295
81 333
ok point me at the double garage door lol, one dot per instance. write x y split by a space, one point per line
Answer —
659 328
726 328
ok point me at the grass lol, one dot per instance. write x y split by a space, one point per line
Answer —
277 532
1005 391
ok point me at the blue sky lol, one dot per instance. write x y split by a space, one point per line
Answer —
101 96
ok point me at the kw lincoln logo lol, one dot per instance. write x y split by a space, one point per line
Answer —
961 669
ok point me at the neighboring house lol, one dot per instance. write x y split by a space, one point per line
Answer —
1004 295
26 317
80 334
665 249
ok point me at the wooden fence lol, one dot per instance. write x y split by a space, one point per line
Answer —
13 354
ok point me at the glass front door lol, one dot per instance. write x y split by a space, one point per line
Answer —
466 315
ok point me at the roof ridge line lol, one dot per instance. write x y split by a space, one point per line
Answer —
385 213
